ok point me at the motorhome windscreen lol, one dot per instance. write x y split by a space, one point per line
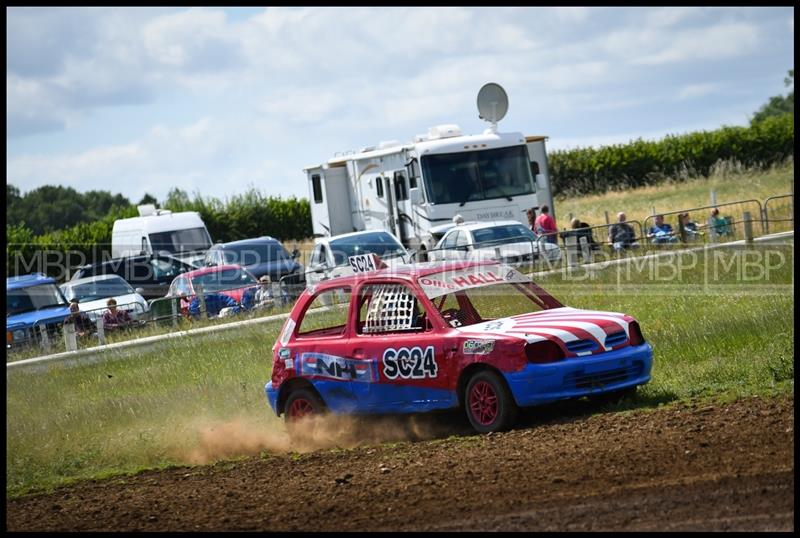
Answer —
380 243
477 175
178 241
33 298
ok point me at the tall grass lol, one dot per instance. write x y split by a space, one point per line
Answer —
725 334
729 182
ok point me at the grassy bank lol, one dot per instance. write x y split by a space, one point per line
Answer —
719 325
729 184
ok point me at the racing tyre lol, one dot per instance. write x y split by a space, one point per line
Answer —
489 405
302 403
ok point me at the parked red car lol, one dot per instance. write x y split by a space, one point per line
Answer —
223 286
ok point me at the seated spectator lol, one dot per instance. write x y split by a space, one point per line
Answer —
115 318
717 225
263 298
580 229
545 225
661 232
621 234
690 230
83 325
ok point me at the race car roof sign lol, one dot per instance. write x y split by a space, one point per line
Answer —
362 263
443 283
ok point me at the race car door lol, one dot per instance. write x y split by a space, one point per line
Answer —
395 342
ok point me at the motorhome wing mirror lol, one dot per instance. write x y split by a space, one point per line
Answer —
415 196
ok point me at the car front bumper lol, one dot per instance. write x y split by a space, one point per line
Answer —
582 376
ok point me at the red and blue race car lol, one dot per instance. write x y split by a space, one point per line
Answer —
476 335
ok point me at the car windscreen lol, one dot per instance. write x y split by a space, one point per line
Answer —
255 254
380 243
484 292
100 289
477 175
32 298
178 241
224 280
502 234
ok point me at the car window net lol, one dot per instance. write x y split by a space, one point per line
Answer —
392 308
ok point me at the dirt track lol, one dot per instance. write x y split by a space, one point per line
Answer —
686 467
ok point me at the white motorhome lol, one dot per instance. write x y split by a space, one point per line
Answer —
184 234
411 189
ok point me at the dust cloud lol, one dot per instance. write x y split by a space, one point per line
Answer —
212 440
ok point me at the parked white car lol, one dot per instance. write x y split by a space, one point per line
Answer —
329 259
508 241
93 292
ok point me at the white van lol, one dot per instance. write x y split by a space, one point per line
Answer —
184 235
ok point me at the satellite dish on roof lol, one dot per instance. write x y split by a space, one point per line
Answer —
492 104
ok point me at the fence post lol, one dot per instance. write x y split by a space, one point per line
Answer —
607 221
174 305
586 251
748 227
70 338
765 218
571 242
101 332
713 198
202 298
45 336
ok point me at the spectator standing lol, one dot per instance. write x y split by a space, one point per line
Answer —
114 318
83 325
546 225
531 213
621 234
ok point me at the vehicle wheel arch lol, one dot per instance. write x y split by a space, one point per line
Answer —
469 371
291 385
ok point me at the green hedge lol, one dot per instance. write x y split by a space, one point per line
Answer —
243 216
248 215
676 157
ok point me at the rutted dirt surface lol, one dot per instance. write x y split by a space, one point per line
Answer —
691 466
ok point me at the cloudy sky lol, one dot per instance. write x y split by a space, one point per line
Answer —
218 100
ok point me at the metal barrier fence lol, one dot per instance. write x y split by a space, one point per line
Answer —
779 214
728 225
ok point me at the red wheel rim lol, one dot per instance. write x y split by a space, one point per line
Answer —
300 408
483 403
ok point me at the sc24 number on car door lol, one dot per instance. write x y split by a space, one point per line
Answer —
409 363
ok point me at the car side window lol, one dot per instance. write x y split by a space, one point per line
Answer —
180 286
390 308
461 239
450 240
315 255
327 314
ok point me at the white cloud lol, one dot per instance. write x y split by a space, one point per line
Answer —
720 41
692 91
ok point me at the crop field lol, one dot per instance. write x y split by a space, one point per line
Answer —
721 326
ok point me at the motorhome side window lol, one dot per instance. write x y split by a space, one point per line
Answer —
400 191
379 186
316 184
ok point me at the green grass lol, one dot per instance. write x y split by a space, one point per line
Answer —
730 184
187 401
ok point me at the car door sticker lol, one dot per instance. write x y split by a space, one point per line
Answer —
409 363
335 367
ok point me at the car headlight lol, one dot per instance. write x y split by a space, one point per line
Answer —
18 335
